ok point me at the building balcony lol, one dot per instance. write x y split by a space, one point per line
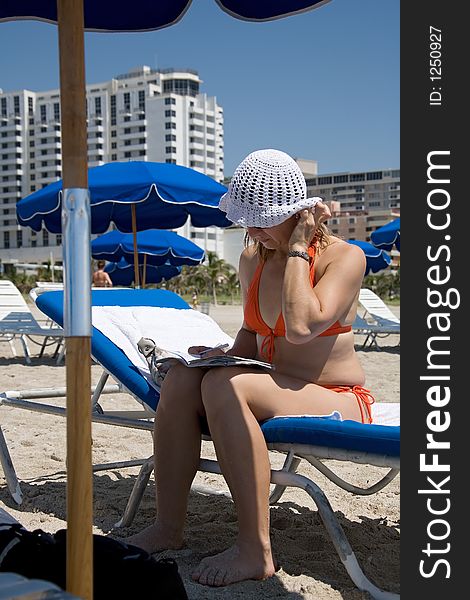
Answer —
134 145
12 170
55 146
9 137
134 120
132 134
93 128
9 126
196 121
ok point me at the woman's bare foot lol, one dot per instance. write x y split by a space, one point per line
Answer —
156 538
234 565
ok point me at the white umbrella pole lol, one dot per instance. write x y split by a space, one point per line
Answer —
77 298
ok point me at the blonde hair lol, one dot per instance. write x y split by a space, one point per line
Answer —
322 239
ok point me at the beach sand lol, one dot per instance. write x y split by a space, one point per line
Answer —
310 567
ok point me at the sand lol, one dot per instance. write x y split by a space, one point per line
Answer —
310 567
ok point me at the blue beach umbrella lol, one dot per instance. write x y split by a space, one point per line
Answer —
72 18
376 259
145 15
158 195
122 272
156 246
387 236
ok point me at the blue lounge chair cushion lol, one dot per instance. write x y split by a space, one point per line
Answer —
348 435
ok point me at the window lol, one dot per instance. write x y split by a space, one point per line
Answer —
30 107
127 130
127 154
170 150
113 133
170 137
340 179
56 111
19 238
16 105
324 180
374 175
170 125
45 237
6 239
127 101
171 161
170 101
170 113
113 156
141 100
98 105
113 145
113 110
58 239
43 112
4 107
357 177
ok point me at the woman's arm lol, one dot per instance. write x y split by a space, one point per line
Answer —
310 311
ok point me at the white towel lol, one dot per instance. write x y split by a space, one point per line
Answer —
171 329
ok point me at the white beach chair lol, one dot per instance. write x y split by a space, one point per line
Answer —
376 321
17 322
311 438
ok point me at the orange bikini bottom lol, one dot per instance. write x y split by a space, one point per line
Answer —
364 398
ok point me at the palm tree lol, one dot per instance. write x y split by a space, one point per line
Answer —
218 271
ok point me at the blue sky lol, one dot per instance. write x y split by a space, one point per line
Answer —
322 85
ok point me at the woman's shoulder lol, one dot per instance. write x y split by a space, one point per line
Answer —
339 251
249 260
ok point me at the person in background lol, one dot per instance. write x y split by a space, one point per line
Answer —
100 277
194 301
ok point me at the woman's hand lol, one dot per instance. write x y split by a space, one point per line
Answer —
307 222
205 351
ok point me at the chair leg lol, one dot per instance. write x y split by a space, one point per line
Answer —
335 531
12 347
290 466
61 353
9 471
137 493
43 346
27 354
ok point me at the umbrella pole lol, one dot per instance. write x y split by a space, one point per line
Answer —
144 271
77 298
136 258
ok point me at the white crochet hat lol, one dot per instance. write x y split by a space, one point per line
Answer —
266 189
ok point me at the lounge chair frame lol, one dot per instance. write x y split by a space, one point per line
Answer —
33 400
17 322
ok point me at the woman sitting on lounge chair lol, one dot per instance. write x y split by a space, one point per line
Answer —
300 287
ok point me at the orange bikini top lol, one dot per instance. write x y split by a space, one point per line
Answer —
254 320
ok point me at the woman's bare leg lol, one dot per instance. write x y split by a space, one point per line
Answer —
177 446
235 400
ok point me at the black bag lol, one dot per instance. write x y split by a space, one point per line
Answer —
119 570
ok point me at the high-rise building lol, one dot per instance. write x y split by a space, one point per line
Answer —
145 114
360 202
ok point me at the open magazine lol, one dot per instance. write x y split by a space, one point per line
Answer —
157 357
